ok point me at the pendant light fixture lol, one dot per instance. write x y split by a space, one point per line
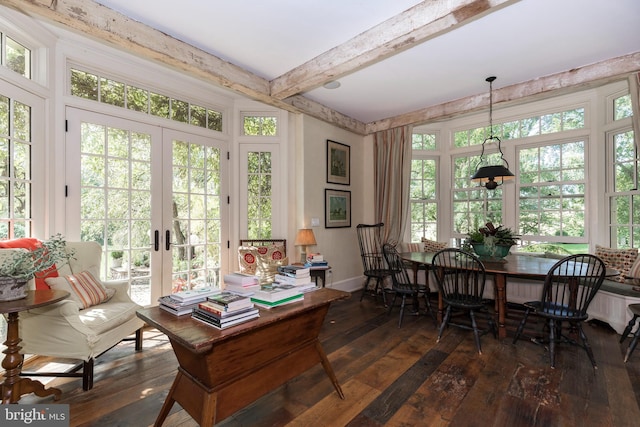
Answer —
491 176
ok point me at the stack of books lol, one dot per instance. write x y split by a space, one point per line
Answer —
225 310
241 284
276 294
315 260
296 275
184 302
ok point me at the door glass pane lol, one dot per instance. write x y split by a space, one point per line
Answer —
196 221
115 203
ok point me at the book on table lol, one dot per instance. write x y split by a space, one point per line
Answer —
294 270
195 295
312 264
281 278
244 290
166 303
229 301
241 279
219 312
275 292
315 257
278 303
222 323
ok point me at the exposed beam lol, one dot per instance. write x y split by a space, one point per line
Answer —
540 88
395 35
99 22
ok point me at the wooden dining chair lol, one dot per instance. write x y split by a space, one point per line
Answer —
568 289
403 287
373 263
461 278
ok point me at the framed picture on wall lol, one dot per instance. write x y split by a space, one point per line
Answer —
338 163
337 208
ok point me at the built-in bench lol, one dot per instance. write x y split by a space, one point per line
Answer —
609 305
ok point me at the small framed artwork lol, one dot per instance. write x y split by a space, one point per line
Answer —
337 208
338 163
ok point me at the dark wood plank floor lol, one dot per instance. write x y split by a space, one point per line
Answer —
390 377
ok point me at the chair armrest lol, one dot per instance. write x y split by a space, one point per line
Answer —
121 287
64 308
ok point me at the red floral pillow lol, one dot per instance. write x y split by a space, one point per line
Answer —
618 259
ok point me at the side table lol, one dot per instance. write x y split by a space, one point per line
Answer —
14 386
319 273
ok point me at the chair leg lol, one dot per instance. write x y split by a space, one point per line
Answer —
476 334
139 340
587 347
632 345
521 326
87 374
632 322
445 320
402 304
364 289
552 342
393 303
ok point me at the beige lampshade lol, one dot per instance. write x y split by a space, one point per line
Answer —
305 237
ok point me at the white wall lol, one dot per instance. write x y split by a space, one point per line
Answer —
338 245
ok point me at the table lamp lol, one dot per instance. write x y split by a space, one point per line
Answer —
305 238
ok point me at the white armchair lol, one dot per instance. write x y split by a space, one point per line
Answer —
64 330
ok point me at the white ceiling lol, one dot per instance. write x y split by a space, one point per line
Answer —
519 42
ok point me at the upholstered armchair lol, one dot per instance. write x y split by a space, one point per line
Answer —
67 330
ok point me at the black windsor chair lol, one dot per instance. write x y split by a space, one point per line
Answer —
373 263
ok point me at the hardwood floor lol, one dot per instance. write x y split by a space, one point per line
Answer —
390 377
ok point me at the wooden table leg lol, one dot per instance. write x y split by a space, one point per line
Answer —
15 386
328 369
500 283
168 402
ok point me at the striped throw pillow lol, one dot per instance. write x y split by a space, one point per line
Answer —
83 288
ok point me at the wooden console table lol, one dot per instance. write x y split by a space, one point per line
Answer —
222 371
15 386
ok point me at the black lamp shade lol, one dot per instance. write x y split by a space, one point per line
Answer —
489 174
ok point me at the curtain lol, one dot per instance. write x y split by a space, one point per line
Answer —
392 173
634 90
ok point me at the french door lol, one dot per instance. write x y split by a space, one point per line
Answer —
151 197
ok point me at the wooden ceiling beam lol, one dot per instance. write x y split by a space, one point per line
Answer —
580 78
412 27
99 22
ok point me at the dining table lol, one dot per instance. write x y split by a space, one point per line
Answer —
513 265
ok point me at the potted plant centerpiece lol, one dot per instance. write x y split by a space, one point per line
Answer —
491 242
17 267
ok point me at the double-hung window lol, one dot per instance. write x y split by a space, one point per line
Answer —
424 189
552 191
623 177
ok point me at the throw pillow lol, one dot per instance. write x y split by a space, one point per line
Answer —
30 243
618 259
248 259
268 268
634 271
83 288
432 245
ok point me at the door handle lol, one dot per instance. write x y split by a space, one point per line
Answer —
167 240
156 240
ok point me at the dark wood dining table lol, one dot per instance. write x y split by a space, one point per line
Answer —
524 266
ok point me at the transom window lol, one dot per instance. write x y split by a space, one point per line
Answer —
259 125
103 89
16 56
523 128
